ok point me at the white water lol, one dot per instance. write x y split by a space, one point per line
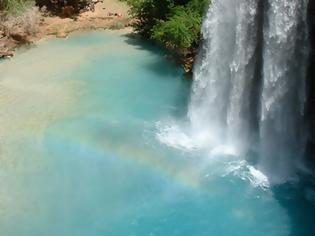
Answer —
249 81
283 95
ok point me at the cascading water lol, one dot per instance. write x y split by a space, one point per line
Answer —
283 95
249 80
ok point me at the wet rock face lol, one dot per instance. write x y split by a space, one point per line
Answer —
310 112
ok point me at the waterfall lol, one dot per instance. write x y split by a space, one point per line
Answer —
249 81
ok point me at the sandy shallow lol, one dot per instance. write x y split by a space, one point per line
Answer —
30 97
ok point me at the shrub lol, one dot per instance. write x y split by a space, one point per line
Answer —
12 6
174 23
30 21
25 23
180 30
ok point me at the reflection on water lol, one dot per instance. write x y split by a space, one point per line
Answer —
80 156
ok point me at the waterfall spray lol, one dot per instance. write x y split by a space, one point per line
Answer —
249 81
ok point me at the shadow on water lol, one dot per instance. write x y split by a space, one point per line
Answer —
159 66
183 100
299 204
165 70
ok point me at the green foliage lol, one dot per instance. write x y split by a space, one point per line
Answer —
13 6
148 13
198 6
180 30
174 23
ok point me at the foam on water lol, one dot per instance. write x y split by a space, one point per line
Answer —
174 137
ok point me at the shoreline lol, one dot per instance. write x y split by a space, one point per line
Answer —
100 19
55 26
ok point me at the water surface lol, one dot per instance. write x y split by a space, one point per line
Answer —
80 130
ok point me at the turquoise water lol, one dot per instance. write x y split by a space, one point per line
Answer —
84 151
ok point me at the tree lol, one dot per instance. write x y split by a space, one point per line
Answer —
174 23
180 30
